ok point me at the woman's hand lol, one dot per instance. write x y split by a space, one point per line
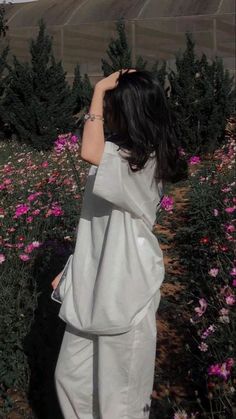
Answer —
56 280
111 82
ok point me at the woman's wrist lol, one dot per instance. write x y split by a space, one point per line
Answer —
98 89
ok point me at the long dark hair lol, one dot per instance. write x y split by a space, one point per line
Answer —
138 118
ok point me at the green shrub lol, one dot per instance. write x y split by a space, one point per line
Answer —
38 103
202 97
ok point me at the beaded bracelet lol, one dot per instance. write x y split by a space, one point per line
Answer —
92 117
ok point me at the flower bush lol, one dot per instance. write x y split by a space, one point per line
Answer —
41 195
207 245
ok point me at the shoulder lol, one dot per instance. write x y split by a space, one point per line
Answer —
111 147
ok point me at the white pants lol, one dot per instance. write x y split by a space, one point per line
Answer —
108 376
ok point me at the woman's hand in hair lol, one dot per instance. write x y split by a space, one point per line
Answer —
111 82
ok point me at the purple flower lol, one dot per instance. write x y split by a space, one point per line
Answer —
211 329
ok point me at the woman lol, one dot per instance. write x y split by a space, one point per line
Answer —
106 363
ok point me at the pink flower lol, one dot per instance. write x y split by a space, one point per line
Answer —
74 139
224 311
56 210
36 244
167 203
219 370
226 189
36 212
229 228
215 212
24 257
230 210
234 283
181 151
2 258
181 414
194 160
44 164
222 370
233 272
66 141
229 363
230 300
203 347
19 245
7 181
29 248
11 229
213 272
33 196
21 209
203 306
29 219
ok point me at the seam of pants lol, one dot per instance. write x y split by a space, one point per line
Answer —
130 371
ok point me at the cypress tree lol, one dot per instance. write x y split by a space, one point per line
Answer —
39 103
216 93
82 90
119 53
159 70
3 22
202 97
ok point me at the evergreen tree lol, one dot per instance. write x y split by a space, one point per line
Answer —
119 53
38 102
3 23
217 99
82 90
160 72
183 95
201 99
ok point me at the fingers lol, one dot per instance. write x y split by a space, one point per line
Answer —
124 71
127 70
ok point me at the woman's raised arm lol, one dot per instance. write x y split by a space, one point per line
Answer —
93 133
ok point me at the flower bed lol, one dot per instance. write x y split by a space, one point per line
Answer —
39 212
206 249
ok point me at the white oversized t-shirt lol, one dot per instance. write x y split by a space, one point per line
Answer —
117 266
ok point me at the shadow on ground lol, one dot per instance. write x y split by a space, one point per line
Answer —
42 344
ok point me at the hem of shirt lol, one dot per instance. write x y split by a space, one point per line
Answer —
119 329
